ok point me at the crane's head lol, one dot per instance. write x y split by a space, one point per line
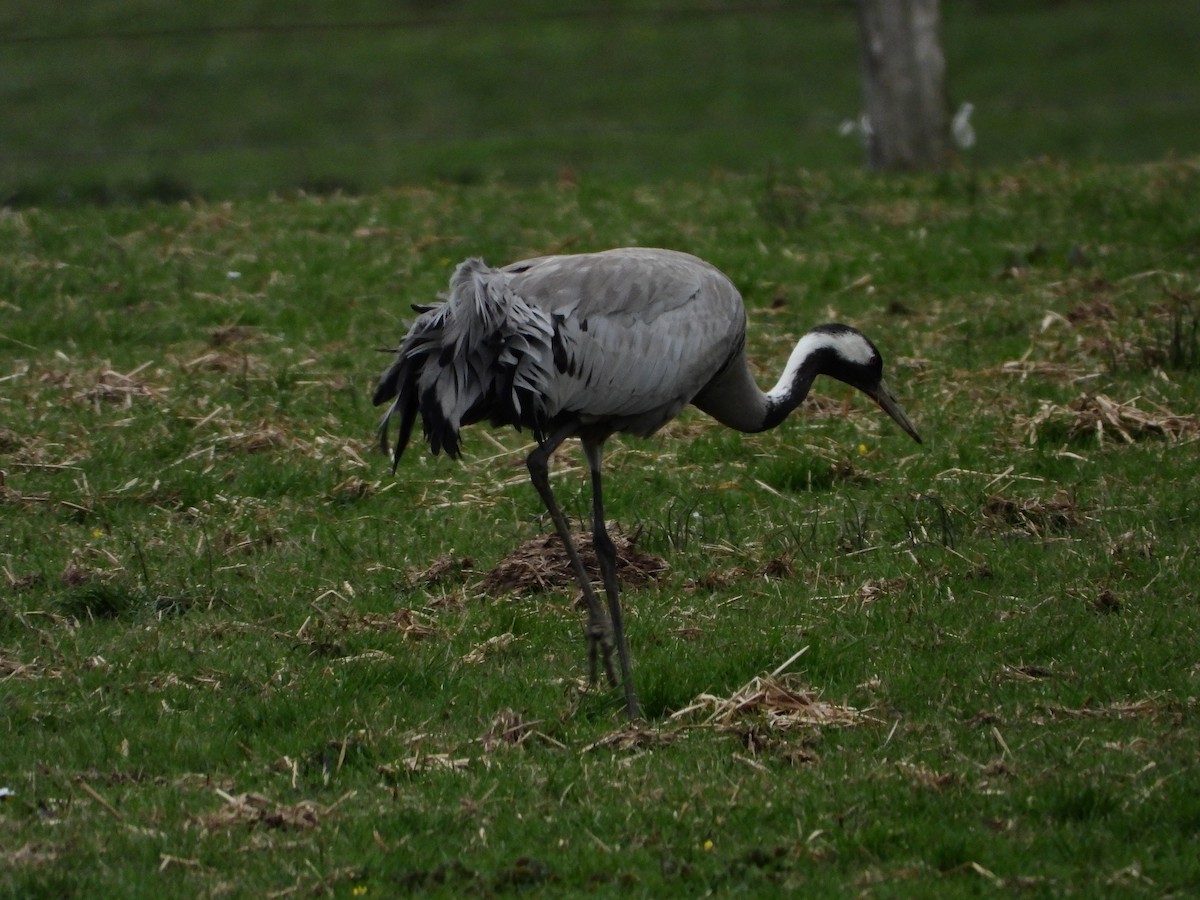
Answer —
846 354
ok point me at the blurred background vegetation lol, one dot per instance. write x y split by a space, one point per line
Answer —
115 100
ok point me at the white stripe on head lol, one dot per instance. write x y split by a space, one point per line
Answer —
849 344
846 342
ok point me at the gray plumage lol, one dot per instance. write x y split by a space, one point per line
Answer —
592 344
616 337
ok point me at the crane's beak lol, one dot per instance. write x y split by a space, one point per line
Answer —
888 404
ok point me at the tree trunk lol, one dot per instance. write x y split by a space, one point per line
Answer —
904 88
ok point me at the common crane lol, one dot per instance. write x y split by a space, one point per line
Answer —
588 345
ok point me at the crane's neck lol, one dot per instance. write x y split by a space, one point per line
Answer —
805 364
734 399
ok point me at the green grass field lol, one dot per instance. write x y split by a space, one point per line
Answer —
239 658
124 100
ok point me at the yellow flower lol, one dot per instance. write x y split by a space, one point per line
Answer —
97 532
708 845
359 890
863 450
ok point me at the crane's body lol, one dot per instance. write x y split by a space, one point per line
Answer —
587 345
624 339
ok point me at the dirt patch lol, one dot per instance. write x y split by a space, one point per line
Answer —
541 564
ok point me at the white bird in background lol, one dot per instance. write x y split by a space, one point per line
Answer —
592 344
960 127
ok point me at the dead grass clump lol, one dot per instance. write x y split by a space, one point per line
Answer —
876 588
443 570
227 335
1097 308
424 762
1033 515
1024 673
1045 369
74 574
489 648
715 580
15 498
1108 419
233 543
351 489
261 438
509 729
541 564
632 737
782 701
1107 602
10 440
1138 543
760 739
30 854
408 623
779 701
225 360
119 389
90 565
255 810
17 583
12 668
1149 708
777 568
817 406
925 778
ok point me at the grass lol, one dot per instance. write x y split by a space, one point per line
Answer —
233 664
165 101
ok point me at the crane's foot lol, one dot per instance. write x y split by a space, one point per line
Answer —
632 707
600 647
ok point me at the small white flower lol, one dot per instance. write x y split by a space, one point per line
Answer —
233 276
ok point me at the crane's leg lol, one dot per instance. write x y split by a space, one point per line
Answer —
606 555
599 631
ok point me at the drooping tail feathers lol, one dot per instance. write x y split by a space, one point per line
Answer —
484 353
